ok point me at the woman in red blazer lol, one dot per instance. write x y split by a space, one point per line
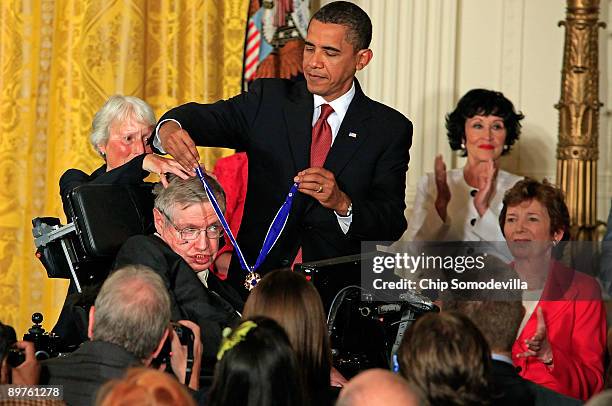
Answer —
563 337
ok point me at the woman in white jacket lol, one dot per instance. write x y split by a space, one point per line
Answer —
464 204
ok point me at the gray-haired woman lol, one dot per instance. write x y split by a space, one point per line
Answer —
120 133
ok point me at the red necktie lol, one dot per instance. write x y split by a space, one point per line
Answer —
321 137
319 148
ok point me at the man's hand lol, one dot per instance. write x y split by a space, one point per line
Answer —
28 372
321 184
444 195
177 142
157 164
538 345
178 360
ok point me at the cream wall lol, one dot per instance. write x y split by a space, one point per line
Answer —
427 53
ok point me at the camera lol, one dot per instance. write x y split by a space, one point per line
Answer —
185 336
15 357
45 344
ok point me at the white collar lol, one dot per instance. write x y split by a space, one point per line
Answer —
502 358
340 105
203 276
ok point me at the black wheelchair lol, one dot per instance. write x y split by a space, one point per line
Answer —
102 218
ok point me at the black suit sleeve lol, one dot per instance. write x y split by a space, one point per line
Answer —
380 215
225 123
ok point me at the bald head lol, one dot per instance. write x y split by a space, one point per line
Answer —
132 310
377 387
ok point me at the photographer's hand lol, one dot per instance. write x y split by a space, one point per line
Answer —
28 372
178 360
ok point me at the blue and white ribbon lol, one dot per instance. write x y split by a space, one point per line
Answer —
274 232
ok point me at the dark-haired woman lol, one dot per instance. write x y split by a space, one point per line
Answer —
562 341
296 305
463 204
257 367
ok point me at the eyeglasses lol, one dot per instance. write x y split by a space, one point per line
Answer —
213 231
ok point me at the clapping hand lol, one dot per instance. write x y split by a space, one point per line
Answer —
443 196
538 345
486 187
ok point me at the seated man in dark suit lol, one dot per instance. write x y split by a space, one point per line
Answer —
128 326
499 323
181 252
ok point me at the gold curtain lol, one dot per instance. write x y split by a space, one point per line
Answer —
59 61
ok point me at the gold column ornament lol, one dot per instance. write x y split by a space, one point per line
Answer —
577 150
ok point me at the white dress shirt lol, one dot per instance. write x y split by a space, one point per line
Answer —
340 106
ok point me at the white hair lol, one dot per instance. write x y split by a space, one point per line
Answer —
118 108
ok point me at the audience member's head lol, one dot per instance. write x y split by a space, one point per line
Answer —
498 321
294 303
257 367
132 311
534 219
549 200
378 387
146 387
482 102
8 337
446 358
186 221
121 129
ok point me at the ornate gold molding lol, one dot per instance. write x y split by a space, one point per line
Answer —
577 149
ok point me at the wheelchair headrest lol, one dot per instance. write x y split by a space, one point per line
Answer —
107 215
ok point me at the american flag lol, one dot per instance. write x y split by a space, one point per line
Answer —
252 51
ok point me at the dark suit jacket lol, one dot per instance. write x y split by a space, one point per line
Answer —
510 389
84 371
273 124
212 309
